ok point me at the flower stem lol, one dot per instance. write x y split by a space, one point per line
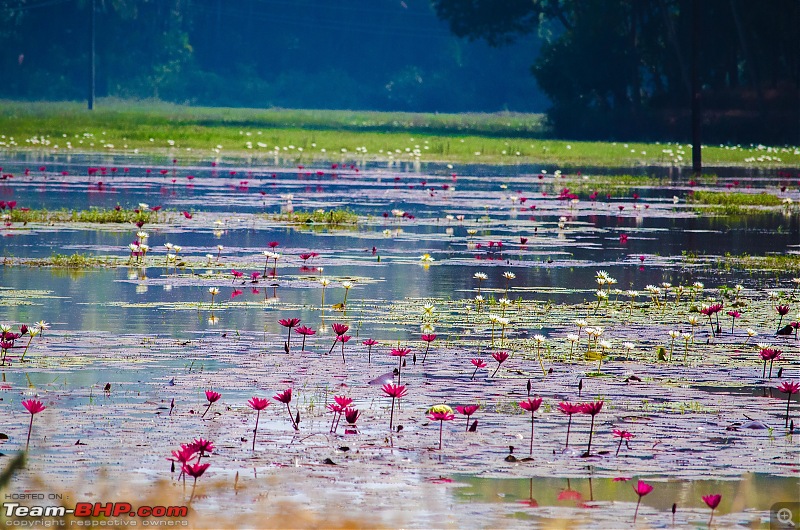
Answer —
637 509
255 431
788 402
530 448
30 428
21 359
206 411
428 345
391 416
291 418
473 373
441 426
569 424
591 432
618 447
343 359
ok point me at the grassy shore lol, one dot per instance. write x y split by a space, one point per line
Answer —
315 135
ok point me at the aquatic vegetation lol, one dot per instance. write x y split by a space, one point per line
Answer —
258 404
333 218
440 413
427 338
712 501
340 330
369 343
34 407
153 327
624 436
641 489
395 392
592 409
478 363
531 405
788 388
286 398
289 323
468 411
500 357
212 398
735 198
305 332
92 215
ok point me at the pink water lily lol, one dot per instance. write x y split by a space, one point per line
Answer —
641 489
712 501
531 405
34 407
258 404
212 398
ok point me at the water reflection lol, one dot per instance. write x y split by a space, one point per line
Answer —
753 491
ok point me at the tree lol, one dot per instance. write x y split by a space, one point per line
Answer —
622 68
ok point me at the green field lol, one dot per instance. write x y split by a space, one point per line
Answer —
309 135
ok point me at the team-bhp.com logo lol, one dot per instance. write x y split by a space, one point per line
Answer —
163 515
